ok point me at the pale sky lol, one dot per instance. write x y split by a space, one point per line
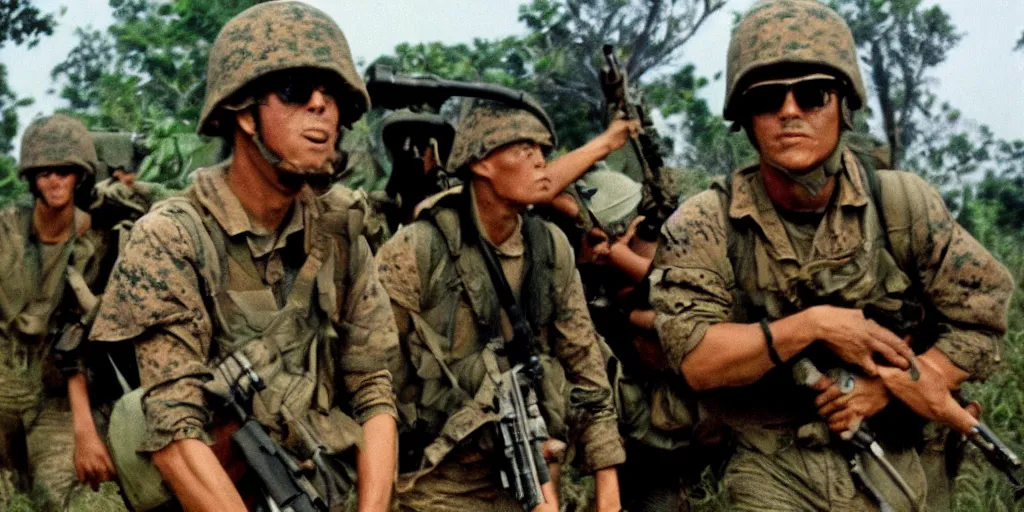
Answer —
982 76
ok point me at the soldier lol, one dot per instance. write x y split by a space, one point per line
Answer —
454 330
778 264
49 270
657 419
249 267
419 143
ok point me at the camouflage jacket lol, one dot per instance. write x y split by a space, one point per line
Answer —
441 308
303 304
700 280
39 285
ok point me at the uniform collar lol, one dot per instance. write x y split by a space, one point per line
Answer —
749 199
212 191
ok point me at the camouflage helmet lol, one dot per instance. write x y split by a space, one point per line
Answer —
276 36
791 32
486 125
612 197
57 141
115 150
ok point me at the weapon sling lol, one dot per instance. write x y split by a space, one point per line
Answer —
522 349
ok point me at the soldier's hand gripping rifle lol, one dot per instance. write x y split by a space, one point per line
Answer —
908 321
284 487
624 101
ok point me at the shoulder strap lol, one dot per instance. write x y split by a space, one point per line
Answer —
210 246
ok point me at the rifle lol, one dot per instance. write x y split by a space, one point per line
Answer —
623 100
521 428
908 320
522 433
283 486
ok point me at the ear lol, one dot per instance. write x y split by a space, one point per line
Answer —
483 168
246 121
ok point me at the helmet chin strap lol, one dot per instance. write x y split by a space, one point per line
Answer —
816 179
289 167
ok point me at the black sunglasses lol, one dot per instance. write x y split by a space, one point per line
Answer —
298 87
809 94
63 172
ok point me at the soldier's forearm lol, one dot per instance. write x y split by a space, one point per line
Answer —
732 354
376 463
81 411
607 490
197 478
569 167
951 373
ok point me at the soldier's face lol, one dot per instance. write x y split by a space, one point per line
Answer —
56 186
303 133
517 172
800 133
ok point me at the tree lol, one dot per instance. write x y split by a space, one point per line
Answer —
20 23
146 73
703 139
148 65
900 43
565 43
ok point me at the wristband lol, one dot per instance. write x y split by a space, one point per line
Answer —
770 341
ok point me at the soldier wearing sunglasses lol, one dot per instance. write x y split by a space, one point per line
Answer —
777 264
250 268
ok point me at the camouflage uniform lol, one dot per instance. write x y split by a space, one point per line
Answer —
42 287
198 283
728 255
453 330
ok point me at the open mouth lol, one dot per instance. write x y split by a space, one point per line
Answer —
316 136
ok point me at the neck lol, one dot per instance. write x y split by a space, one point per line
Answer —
53 225
498 217
790 195
254 181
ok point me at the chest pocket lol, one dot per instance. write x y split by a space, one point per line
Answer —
287 344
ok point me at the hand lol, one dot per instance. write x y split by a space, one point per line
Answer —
929 396
546 507
619 131
630 232
856 339
92 460
845 411
595 247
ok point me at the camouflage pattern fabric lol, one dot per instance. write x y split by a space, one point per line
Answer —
330 305
778 473
699 280
433 315
777 32
57 141
458 488
51 450
487 125
302 36
35 417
